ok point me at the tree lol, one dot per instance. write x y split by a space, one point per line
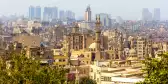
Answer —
156 70
22 70
86 80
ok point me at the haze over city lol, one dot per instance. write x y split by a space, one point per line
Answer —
83 42
127 9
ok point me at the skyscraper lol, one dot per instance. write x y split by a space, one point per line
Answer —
61 15
119 19
31 12
69 14
54 13
35 12
105 19
50 13
146 15
149 16
38 12
156 15
88 14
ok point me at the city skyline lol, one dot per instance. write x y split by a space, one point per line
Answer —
130 9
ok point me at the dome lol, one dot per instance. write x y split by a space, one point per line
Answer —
93 45
130 38
132 58
16 30
155 46
140 38
132 52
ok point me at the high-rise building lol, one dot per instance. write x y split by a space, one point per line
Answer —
146 15
46 14
69 14
156 15
55 13
88 14
50 13
105 19
38 12
62 15
149 16
119 19
35 12
31 12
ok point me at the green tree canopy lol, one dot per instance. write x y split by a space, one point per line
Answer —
86 80
21 70
156 70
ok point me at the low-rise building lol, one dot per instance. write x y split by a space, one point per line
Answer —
102 73
60 59
29 41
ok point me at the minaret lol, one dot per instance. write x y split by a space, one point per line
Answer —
120 50
97 40
98 33
68 52
116 41
75 29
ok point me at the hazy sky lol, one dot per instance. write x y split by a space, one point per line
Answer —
127 9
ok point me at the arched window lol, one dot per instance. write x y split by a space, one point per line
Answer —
94 49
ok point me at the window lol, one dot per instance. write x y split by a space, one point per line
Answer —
97 71
91 77
91 70
107 78
97 79
60 60
88 55
81 46
102 78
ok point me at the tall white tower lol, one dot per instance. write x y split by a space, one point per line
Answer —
88 14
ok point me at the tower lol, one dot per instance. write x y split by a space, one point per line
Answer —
76 28
38 12
97 40
31 12
120 50
156 16
116 42
88 14
98 32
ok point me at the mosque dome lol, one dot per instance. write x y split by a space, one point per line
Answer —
132 58
140 38
132 55
130 38
93 46
132 52
155 46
